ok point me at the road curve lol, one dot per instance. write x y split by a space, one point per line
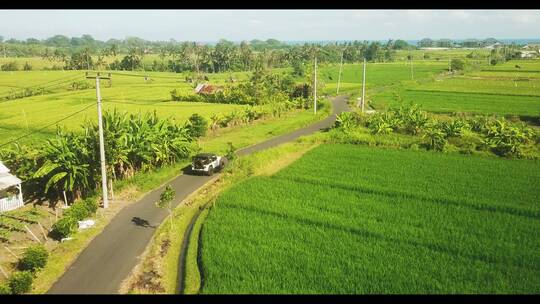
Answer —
110 257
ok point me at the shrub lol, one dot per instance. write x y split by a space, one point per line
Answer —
230 154
20 282
347 121
10 66
504 139
435 136
4 289
197 126
27 67
383 123
454 128
34 258
91 205
78 211
65 226
457 64
411 118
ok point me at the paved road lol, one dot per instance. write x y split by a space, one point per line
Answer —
110 257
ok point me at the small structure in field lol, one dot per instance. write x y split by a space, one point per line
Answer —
10 190
204 88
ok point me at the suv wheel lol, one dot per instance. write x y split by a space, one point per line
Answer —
210 171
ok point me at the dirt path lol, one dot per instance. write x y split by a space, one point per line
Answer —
110 257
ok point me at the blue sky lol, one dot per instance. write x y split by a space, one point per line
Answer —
211 25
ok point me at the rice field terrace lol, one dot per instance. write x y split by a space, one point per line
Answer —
127 91
350 219
378 74
489 90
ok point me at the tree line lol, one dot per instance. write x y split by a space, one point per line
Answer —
173 56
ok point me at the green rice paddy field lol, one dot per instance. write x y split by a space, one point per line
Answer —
502 90
128 91
352 219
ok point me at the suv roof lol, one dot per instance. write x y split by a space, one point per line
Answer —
205 155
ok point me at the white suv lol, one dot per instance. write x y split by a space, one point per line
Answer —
206 163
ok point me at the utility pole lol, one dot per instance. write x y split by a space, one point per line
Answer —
101 140
412 72
364 85
339 77
315 88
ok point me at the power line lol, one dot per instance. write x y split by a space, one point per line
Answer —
48 82
139 75
38 86
45 127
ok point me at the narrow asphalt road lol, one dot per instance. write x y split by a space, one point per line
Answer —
110 257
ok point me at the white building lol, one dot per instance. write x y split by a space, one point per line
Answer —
10 190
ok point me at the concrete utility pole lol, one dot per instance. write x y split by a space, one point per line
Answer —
315 89
412 72
364 85
339 77
101 142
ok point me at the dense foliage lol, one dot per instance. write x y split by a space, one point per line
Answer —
70 161
34 258
20 282
474 133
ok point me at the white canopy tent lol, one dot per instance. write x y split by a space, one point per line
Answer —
7 180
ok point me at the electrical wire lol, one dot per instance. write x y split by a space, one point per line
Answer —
47 126
51 85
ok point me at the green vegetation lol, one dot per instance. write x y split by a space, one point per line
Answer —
34 258
165 200
20 282
346 219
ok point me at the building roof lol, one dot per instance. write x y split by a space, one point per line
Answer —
205 88
3 168
6 179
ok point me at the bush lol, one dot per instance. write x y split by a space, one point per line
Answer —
435 136
78 211
230 154
91 205
27 67
504 139
347 121
20 282
10 66
65 226
34 258
4 289
197 126
457 64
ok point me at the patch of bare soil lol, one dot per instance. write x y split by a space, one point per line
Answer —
149 280
165 245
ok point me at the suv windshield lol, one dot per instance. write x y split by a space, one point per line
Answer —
201 160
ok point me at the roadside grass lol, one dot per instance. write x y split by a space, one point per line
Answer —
353 219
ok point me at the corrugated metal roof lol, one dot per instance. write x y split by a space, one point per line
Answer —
7 180
3 168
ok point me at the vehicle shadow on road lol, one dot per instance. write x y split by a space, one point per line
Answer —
141 222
